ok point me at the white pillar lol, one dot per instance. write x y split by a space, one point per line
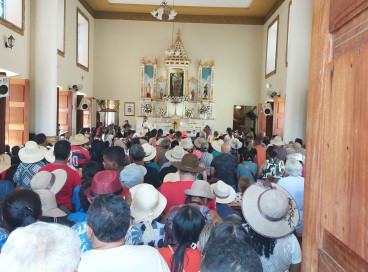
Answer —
43 68
298 69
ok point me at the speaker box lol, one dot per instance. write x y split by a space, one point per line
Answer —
4 86
267 109
84 104
251 115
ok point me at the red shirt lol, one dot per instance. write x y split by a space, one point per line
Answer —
79 156
65 195
174 193
261 154
192 258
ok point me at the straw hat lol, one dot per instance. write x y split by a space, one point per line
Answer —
224 193
235 143
106 182
48 204
270 210
5 162
53 181
147 202
217 145
200 188
175 154
78 139
172 177
189 163
32 152
132 174
142 133
277 141
198 141
49 156
186 143
119 143
150 152
299 157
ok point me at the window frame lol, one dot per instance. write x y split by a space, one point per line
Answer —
277 19
62 53
79 11
13 27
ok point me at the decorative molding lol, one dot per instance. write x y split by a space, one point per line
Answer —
272 10
12 26
90 10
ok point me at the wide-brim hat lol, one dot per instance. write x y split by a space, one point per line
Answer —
270 210
49 156
297 156
147 203
186 143
142 133
132 174
53 181
189 163
78 139
106 182
150 152
235 143
175 154
200 188
48 204
224 193
217 145
32 152
198 142
172 177
277 141
5 162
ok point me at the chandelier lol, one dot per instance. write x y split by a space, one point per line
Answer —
164 9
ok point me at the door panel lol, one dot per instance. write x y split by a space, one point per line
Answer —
278 116
261 120
65 107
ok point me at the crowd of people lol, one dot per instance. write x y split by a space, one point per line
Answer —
114 199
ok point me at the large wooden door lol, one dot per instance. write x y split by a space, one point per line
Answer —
17 112
335 233
278 116
261 120
65 107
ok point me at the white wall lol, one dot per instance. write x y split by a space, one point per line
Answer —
298 70
236 50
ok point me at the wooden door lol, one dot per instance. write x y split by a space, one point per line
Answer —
261 120
278 116
65 107
335 233
17 112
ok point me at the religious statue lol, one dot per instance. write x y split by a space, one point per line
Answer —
193 94
177 83
161 93
148 90
205 92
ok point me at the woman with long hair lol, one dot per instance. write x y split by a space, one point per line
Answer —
187 227
272 165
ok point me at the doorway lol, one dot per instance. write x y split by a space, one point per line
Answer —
244 117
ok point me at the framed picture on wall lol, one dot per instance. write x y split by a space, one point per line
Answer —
129 108
206 78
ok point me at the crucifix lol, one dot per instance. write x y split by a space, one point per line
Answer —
174 123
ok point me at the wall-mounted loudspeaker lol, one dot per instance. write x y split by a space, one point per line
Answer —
84 104
4 86
267 109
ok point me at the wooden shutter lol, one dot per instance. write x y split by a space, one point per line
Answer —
65 107
278 116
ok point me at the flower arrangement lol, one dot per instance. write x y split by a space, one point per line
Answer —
147 108
205 109
183 98
161 112
189 113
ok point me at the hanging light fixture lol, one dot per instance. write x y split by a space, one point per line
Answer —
164 9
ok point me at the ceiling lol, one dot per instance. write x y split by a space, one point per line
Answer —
223 11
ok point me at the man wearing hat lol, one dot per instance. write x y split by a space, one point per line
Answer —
79 155
188 169
175 154
279 145
225 194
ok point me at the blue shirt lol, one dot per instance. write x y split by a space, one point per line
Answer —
224 210
225 166
244 172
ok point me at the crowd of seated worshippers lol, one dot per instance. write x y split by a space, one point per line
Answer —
111 199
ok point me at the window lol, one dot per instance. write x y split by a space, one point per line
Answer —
271 53
12 15
82 40
61 28
287 35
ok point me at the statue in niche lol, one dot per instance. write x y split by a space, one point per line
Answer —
193 94
148 90
161 94
177 82
205 92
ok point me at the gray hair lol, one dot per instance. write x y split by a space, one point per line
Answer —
46 247
205 146
202 134
137 152
165 144
293 168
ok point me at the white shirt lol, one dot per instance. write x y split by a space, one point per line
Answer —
125 258
145 124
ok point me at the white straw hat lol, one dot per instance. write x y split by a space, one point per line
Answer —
172 177
78 139
186 143
32 152
200 188
270 210
224 193
277 141
198 142
217 145
150 152
48 204
175 154
142 133
53 181
235 143
5 162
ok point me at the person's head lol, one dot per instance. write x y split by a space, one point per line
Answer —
145 118
204 146
205 235
7 148
62 150
258 141
153 133
113 158
15 150
271 152
247 155
229 131
244 183
187 226
41 139
171 131
293 168
298 140
165 144
200 192
178 135
225 148
188 167
230 254
46 247
266 140
84 202
90 169
174 143
108 219
21 208
137 152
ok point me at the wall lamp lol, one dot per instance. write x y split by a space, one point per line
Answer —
10 43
